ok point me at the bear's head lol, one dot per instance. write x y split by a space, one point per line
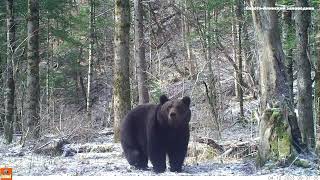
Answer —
175 112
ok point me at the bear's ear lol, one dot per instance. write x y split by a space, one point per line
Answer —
163 99
186 100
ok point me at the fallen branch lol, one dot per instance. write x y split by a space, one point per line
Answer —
108 133
227 152
237 149
53 147
210 142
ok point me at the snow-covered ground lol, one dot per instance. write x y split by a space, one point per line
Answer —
105 158
102 157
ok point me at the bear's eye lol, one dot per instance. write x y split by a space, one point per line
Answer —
170 106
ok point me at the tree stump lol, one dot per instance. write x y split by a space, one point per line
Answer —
275 136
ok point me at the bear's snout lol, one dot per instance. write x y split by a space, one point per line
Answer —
172 114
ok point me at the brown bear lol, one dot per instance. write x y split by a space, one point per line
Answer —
152 131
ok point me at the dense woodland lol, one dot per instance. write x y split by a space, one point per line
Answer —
72 68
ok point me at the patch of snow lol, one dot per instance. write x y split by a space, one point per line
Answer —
112 163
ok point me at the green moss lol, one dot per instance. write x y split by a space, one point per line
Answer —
280 139
284 146
276 114
122 87
274 149
210 153
302 163
268 113
122 95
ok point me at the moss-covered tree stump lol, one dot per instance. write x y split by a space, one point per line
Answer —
275 137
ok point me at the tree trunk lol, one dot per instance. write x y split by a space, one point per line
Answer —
140 53
2 104
211 89
121 88
288 36
305 111
90 59
275 138
79 80
248 62
33 86
272 79
10 84
237 53
48 74
187 39
278 128
317 77
234 44
150 39
239 14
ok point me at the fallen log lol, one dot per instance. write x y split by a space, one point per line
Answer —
53 147
108 133
227 152
211 143
232 149
241 149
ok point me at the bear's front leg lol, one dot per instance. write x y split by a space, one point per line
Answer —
158 160
157 155
177 154
176 161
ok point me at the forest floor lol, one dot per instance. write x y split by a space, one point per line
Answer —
103 157
99 156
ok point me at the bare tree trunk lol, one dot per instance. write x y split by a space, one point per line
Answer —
121 88
211 90
140 53
10 84
22 95
79 79
235 54
48 73
288 36
239 84
305 110
317 77
17 128
90 59
272 80
248 62
33 86
186 27
276 138
150 38
2 104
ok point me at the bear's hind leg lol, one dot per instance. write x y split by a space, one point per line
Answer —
142 161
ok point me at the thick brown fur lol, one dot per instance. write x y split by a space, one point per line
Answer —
152 131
